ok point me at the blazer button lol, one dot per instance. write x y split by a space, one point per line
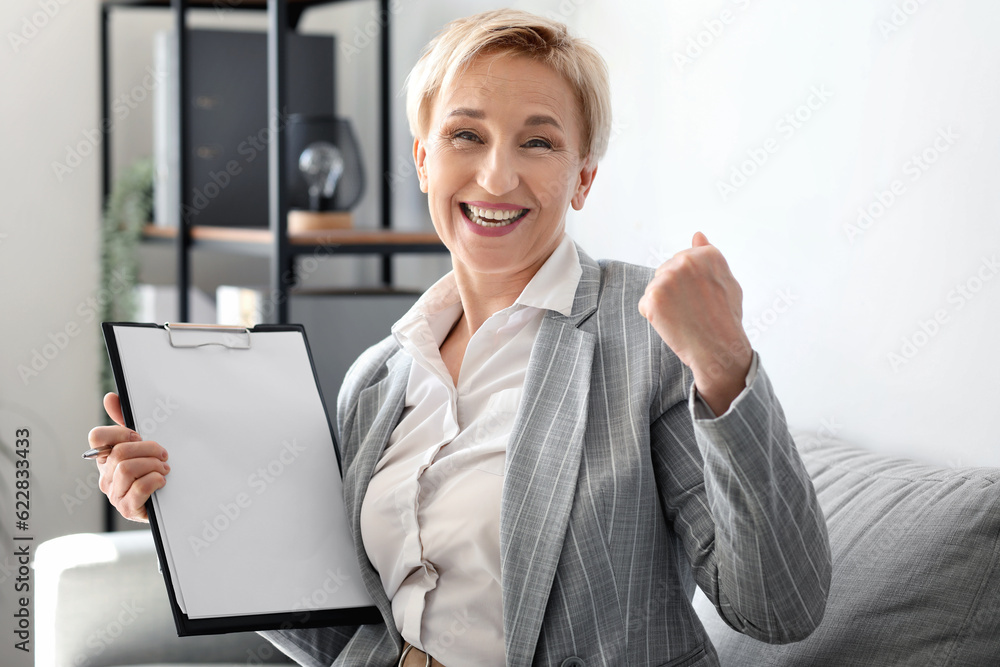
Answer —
573 661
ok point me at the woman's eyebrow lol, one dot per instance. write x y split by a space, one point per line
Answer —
467 112
530 121
542 119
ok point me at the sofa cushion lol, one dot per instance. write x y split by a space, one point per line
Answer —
916 579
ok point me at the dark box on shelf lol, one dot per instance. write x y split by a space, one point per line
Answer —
228 122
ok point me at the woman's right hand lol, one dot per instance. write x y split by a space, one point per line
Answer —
132 469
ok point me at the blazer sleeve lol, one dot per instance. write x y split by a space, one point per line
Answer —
744 507
317 647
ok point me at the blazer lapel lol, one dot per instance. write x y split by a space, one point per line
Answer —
379 405
543 463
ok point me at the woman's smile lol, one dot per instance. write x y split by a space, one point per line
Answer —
495 220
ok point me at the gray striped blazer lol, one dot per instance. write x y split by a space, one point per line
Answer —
616 500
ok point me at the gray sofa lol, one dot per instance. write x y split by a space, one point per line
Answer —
916 567
916 581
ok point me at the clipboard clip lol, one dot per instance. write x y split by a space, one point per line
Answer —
233 337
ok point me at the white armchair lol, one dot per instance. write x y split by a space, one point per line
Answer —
102 602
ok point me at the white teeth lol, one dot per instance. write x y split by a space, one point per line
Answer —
487 216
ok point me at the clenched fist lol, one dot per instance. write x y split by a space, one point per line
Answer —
696 306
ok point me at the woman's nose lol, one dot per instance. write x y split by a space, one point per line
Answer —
498 172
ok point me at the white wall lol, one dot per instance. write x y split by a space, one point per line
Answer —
48 271
892 86
863 327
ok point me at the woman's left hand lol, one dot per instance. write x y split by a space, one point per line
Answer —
696 306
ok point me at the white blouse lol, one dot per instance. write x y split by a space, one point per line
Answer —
430 520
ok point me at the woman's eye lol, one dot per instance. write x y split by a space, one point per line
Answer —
466 135
537 143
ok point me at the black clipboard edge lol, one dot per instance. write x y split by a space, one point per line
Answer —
187 627
322 399
288 620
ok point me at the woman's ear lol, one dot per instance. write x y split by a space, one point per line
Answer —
587 174
420 161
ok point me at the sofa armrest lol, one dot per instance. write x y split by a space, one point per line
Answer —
102 602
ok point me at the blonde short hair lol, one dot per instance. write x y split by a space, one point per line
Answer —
514 32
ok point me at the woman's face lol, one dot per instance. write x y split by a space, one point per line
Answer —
501 165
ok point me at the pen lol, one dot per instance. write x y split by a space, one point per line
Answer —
97 451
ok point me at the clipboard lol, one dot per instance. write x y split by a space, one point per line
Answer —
250 529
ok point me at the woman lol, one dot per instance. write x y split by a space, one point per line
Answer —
531 475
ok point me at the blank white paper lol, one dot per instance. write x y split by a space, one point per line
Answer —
252 514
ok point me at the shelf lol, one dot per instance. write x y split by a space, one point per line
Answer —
335 241
282 16
280 248
295 8
215 4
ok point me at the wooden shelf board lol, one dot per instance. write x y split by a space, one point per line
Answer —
327 237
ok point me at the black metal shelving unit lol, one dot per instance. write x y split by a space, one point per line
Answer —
273 242
282 15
